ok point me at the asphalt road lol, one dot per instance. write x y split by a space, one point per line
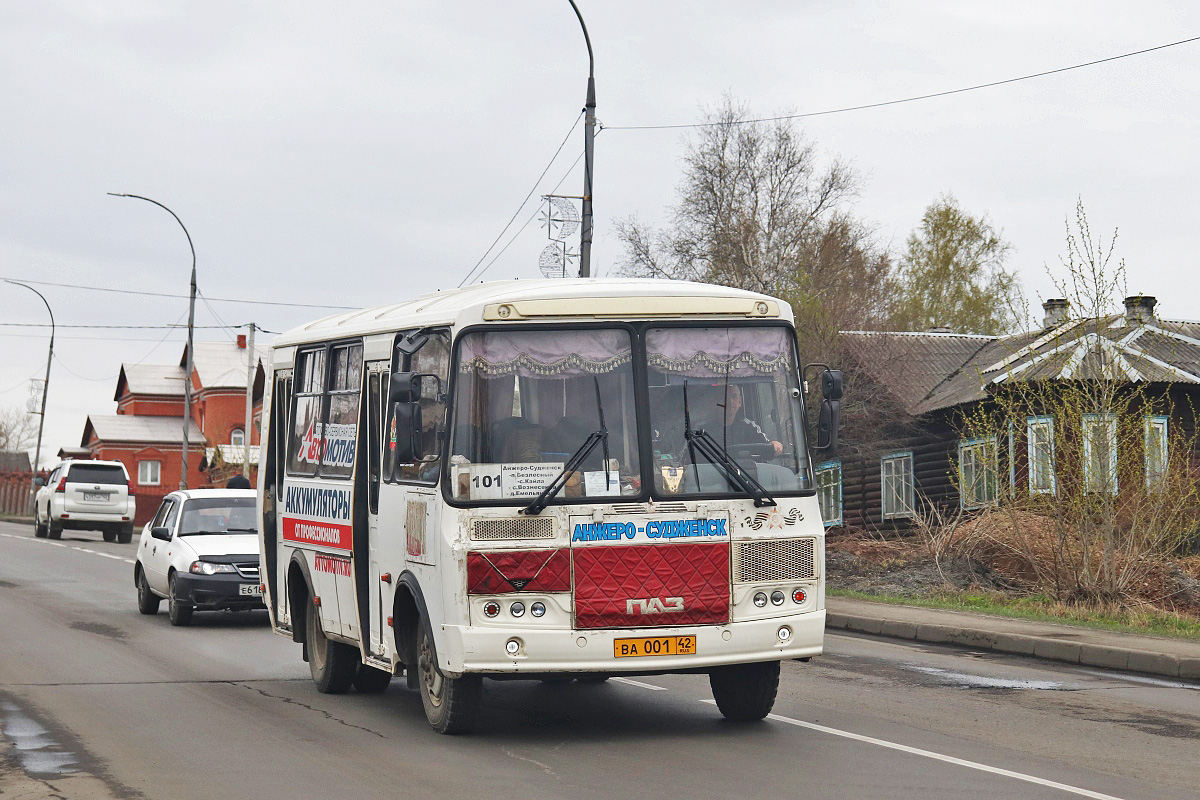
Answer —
97 701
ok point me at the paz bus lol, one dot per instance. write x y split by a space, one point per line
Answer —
546 480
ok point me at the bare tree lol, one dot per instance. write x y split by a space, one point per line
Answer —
18 429
757 210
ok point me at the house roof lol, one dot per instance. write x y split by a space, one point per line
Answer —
150 379
931 371
14 462
140 429
221 365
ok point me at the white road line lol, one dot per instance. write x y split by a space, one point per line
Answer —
69 547
642 685
940 757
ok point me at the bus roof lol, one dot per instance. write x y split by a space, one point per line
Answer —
560 299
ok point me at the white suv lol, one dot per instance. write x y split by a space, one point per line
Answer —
86 495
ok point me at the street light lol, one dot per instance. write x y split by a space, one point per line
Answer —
37 454
187 378
589 135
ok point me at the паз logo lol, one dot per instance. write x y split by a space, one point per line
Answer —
774 519
654 605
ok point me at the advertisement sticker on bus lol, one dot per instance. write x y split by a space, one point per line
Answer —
317 515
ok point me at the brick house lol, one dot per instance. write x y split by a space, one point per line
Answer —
146 433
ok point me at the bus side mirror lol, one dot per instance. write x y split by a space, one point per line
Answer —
405 387
831 412
405 436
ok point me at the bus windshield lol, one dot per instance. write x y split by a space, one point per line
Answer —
527 401
737 385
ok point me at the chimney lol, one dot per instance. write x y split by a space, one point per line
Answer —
241 341
1056 310
1139 309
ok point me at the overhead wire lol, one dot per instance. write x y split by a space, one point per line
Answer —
184 296
915 98
471 273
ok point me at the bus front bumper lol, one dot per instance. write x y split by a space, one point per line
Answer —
482 649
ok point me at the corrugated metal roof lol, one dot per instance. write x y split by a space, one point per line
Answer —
930 371
150 379
138 428
221 365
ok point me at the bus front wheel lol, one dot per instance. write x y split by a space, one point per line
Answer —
450 703
333 665
745 692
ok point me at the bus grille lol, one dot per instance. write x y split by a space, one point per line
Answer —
495 530
769 560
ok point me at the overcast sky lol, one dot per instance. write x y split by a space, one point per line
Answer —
357 153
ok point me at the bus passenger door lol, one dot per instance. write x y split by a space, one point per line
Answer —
378 597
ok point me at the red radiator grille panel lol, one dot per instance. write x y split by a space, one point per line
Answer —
607 578
517 571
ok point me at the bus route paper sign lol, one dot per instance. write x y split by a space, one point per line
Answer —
507 481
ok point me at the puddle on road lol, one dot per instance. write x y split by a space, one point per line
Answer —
40 755
968 681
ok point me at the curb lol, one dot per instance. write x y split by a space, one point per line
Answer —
1050 649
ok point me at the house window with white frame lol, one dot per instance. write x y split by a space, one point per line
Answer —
149 473
1156 450
1100 453
896 483
237 438
978 472
829 492
1039 436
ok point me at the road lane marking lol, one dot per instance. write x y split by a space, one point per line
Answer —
69 547
643 685
962 762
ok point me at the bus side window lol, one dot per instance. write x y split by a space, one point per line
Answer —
432 359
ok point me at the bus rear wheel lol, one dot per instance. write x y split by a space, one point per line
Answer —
450 703
745 692
333 665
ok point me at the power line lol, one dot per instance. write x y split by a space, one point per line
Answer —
184 296
531 218
906 99
115 327
471 272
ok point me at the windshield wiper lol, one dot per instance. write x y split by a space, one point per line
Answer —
702 441
241 530
573 463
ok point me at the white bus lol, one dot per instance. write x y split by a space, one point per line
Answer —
554 480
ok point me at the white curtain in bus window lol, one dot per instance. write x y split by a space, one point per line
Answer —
739 385
304 448
341 431
527 401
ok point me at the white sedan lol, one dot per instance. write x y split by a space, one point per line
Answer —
200 552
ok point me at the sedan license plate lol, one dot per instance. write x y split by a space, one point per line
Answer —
655 646
250 589
102 496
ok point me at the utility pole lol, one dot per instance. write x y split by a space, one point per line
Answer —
187 378
589 136
251 369
37 453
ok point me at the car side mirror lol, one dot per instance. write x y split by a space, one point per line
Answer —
161 532
39 481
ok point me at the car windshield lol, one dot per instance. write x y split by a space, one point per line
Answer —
211 515
527 401
739 385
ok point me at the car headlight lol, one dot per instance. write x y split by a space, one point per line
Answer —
209 568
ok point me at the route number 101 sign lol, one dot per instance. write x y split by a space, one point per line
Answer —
506 481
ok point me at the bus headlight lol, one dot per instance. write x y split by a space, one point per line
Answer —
491 608
517 609
760 599
777 598
537 609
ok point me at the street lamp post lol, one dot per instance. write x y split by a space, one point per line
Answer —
589 136
187 378
37 453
